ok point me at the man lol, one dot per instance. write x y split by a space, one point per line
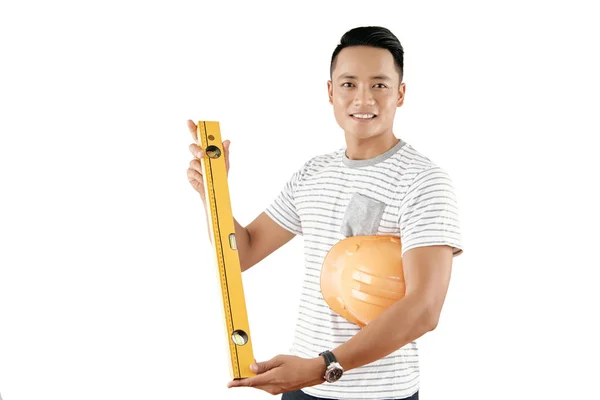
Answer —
377 185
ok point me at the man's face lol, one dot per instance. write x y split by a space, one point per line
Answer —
365 91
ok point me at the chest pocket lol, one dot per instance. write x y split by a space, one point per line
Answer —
362 216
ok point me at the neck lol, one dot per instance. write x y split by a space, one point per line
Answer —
371 147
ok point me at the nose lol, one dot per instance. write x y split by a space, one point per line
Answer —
363 96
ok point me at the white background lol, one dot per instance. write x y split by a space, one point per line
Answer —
107 286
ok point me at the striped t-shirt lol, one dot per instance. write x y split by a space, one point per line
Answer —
412 198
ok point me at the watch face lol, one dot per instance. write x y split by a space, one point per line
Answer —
334 374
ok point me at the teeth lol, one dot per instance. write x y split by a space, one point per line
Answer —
364 115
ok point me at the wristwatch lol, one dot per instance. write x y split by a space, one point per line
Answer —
333 370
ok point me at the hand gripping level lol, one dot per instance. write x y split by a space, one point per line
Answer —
222 231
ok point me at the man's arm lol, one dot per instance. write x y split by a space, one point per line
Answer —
257 240
264 236
427 276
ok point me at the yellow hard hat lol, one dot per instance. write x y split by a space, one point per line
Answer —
362 275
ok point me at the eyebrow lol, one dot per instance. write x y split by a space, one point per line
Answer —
379 77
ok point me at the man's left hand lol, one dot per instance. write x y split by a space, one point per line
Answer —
284 373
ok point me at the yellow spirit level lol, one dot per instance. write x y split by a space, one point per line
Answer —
222 231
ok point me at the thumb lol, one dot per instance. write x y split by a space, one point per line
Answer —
260 367
226 144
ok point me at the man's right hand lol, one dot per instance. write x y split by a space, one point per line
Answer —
194 172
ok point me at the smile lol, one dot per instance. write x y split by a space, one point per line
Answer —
363 117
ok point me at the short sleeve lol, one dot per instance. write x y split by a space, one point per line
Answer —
429 213
283 208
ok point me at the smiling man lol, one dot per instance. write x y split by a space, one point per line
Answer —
378 184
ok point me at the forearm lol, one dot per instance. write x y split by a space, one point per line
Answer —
242 239
400 324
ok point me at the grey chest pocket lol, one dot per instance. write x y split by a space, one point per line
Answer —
362 216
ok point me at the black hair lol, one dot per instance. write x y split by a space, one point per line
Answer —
374 36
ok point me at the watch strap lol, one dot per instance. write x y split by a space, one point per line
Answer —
329 357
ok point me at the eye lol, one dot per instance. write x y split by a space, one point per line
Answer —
381 85
346 83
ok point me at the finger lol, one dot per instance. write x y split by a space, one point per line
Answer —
258 380
195 165
271 389
196 150
193 129
261 367
198 187
195 179
226 145
226 148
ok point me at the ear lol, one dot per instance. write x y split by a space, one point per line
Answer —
330 91
401 93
